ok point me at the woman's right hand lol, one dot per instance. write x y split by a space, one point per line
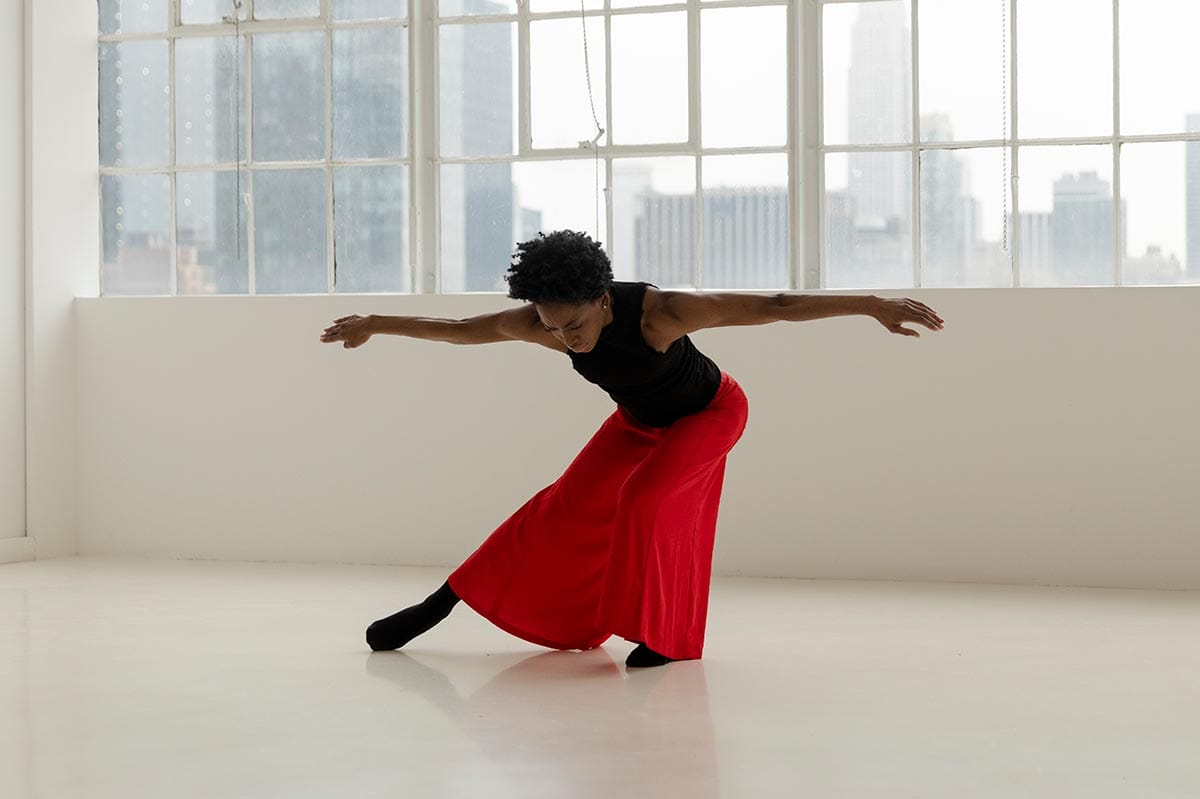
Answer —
353 331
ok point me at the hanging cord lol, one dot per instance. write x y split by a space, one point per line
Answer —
236 19
1005 180
595 142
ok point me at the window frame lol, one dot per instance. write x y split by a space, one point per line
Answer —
1014 143
804 148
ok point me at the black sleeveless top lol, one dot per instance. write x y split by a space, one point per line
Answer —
658 388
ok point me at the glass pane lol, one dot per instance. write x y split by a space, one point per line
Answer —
1065 51
962 75
281 9
654 221
635 3
541 6
135 104
210 239
462 8
132 16
650 81
562 114
206 12
289 231
868 220
289 96
370 9
477 81
745 223
744 97
136 213
1066 219
1158 49
370 93
964 241
1160 188
370 229
487 208
210 113
866 49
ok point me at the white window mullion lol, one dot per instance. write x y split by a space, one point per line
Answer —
423 86
524 125
415 114
816 117
915 168
247 80
1118 261
795 77
330 275
694 141
607 232
172 233
1014 179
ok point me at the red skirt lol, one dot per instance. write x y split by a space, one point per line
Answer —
620 544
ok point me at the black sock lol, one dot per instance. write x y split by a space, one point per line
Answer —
645 656
398 629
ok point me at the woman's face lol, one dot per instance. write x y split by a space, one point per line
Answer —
577 326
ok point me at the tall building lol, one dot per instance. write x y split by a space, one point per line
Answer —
839 235
1192 264
1081 231
664 235
1034 248
948 211
745 238
880 109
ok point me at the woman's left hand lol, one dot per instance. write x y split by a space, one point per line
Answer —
892 314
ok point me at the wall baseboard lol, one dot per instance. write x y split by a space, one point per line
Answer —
14 550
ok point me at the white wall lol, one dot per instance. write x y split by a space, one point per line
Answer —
63 250
12 274
1045 436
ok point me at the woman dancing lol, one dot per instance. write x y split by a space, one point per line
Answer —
622 542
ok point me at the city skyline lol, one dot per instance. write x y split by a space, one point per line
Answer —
867 224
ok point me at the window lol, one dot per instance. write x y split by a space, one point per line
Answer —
262 148
940 169
315 146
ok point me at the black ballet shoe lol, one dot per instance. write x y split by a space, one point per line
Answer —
643 657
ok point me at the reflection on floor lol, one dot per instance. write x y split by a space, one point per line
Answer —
158 678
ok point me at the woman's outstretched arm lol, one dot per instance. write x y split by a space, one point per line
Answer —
514 324
678 313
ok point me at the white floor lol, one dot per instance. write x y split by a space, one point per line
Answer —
153 678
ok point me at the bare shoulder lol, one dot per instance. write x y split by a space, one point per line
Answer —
660 325
670 315
523 324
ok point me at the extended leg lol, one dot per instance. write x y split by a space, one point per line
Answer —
398 629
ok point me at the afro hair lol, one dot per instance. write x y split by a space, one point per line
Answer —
561 267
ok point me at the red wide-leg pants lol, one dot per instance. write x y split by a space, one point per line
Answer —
620 544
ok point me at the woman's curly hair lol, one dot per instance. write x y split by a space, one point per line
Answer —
562 266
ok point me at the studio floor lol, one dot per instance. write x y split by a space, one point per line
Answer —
127 678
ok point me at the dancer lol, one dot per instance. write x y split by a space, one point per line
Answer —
621 543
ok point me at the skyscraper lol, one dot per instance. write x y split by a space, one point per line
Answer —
880 108
948 212
1081 231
